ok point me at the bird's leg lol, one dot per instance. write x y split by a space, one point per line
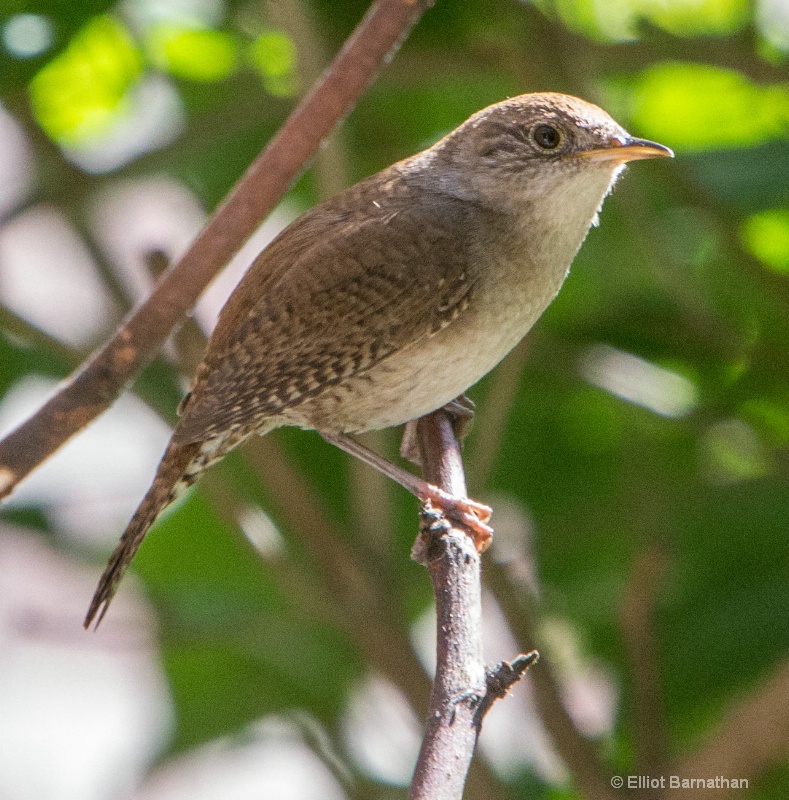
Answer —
461 410
466 512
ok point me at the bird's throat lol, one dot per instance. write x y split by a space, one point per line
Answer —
557 222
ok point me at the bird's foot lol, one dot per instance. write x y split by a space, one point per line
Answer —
469 514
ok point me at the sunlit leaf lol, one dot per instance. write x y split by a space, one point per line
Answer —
198 54
620 20
766 236
612 21
274 56
693 17
81 92
700 107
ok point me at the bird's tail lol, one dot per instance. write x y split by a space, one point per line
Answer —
180 467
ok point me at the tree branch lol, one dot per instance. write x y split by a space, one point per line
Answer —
463 691
102 377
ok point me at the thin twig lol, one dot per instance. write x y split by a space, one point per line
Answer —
102 377
463 690
500 678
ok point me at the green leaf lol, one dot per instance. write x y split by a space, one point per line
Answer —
766 236
701 107
273 54
81 92
197 54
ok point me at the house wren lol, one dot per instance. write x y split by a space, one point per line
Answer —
391 299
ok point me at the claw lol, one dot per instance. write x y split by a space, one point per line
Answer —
470 514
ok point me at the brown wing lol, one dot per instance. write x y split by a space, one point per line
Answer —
337 292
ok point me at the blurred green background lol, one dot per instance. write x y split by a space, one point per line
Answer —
635 447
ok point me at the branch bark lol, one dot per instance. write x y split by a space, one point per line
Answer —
105 374
463 691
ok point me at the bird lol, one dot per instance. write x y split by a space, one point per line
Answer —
389 300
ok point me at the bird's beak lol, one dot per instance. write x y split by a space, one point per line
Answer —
625 148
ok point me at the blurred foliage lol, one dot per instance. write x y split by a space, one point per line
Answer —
274 55
697 107
193 53
78 94
766 236
620 20
687 272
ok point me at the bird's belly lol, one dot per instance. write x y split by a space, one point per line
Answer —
411 386
424 376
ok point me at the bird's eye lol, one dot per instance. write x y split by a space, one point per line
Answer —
546 137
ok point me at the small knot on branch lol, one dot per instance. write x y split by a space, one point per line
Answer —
433 525
500 678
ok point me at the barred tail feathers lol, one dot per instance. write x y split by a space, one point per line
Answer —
180 467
